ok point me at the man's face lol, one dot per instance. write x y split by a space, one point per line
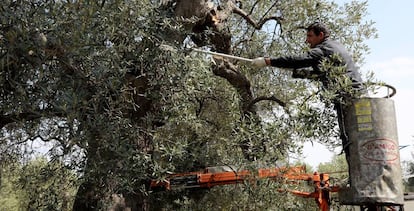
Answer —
314 39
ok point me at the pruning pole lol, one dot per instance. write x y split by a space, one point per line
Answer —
223 55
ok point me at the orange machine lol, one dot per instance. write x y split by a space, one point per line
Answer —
210 177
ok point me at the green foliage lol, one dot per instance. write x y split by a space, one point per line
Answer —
408 169
63 67
38 185
312 116
9 195
338 166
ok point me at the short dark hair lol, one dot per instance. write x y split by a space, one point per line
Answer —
317 28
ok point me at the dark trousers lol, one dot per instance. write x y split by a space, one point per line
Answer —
341 113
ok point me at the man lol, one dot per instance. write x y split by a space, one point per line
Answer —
323 50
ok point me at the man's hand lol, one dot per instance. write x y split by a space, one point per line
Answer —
259 62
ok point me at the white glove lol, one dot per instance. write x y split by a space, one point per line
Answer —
259 62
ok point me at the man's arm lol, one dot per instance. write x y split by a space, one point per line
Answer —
309 59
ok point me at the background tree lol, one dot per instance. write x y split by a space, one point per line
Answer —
37 185
337 169
409 181
408 175
111 89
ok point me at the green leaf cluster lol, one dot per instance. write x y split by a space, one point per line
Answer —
37 185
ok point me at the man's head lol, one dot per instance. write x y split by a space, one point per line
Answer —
316 33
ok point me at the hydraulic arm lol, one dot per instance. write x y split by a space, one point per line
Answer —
214 176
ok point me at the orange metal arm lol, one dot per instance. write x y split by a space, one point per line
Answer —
207 179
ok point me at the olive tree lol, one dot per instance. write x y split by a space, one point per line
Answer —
112 89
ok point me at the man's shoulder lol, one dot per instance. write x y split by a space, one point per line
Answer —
329 42
329 46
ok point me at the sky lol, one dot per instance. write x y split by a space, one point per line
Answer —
392 61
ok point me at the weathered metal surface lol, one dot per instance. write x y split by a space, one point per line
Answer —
374 159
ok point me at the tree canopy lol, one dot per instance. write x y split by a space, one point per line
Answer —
112 90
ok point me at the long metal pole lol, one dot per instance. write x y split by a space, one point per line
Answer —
223 55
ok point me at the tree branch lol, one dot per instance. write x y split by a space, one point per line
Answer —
255 24
262 98
24 116
7 119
